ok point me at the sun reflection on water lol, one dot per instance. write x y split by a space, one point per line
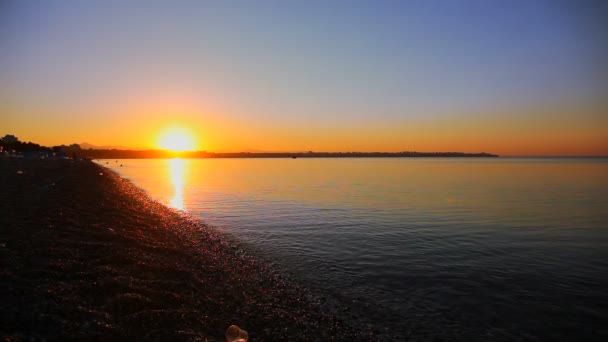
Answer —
177 173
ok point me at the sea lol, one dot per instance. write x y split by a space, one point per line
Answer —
423 248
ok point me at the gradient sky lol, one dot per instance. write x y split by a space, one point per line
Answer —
513 77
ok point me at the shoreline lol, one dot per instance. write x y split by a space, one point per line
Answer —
161 154
88 255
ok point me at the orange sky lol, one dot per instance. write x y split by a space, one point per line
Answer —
515 133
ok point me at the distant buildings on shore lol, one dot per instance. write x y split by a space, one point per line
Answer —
12 147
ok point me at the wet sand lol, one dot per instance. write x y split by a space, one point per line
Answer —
87 255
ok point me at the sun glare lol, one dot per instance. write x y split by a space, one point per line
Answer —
177 140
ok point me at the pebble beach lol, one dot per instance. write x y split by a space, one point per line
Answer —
87 255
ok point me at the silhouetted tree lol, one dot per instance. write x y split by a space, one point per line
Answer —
11 142
9 139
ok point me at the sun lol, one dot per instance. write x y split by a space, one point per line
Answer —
177 139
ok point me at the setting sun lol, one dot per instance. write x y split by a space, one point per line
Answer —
177 139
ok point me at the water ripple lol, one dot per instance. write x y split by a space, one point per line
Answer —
437 249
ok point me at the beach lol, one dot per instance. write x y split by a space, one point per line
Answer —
87 255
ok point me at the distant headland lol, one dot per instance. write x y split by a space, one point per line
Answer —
131 154
11 146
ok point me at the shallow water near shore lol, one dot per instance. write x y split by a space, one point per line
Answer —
456 248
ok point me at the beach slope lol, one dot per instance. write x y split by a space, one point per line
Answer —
87 255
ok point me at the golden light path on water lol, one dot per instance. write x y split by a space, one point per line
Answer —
177 173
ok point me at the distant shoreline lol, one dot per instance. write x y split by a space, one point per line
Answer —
153 154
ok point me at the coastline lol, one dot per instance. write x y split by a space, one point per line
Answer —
87 255
161 154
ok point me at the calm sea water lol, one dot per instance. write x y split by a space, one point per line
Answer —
455 248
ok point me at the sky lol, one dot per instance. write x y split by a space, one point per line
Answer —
509 77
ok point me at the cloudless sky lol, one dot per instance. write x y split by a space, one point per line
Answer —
511 77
